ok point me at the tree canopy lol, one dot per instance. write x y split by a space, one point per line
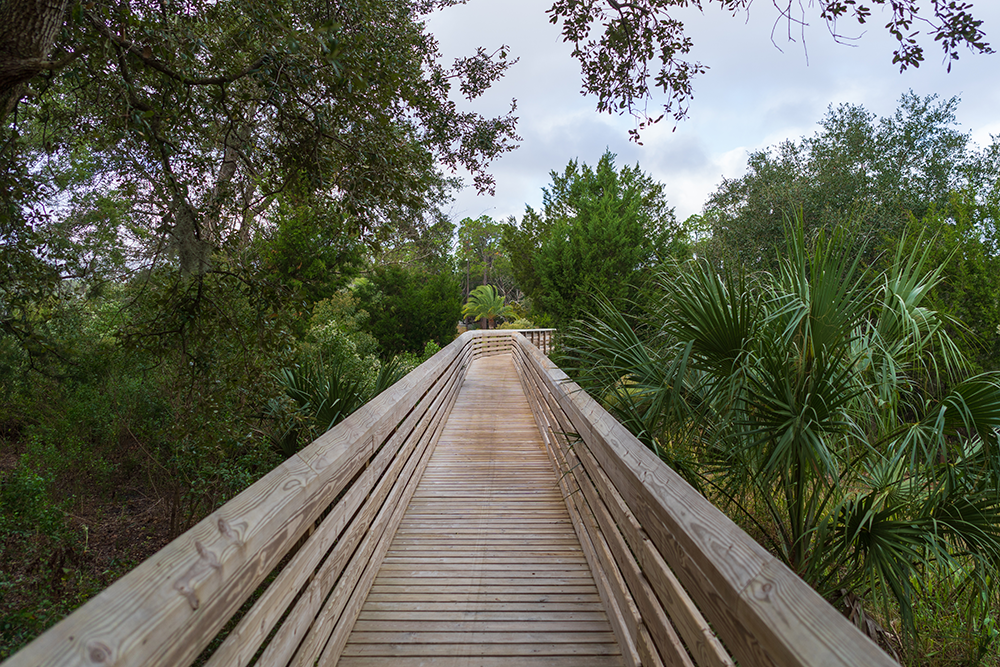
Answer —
480 254
625 49
203 116
628 49
876 173
601 231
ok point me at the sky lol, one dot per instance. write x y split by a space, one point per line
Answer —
760 89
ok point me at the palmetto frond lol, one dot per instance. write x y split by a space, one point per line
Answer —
827 406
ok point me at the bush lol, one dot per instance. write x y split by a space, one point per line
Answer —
519 324
25 505
407 307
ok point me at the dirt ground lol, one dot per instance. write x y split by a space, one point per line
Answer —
43 578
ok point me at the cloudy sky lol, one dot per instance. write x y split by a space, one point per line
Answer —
759 90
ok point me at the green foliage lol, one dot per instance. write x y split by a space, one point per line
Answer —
969 290
481 255
872 173
617 44
421 247
212 116
827 408
406 308
321 400
603 231
337 373
182 201
25 506
335 337
485 303
520 323
308 251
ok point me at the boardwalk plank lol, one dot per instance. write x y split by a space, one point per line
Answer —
485 567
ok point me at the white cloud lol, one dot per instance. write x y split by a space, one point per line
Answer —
753 96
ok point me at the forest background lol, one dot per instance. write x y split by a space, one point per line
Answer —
223 230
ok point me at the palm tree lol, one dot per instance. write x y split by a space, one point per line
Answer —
486 303
826 409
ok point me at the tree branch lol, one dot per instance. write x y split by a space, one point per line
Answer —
144 55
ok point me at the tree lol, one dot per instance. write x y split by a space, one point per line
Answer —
478 249
191 139
617 62
872 173
826 408
616 65
969 291
603 230
206 117
407 307
486 303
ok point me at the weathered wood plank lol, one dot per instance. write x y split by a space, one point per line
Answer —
342 630
295 625
244 641
169 608
454 614
695 630
486 555
472 638
482 626
317 634
620 609
461 658
479 649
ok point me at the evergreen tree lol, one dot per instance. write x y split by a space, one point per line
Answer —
602 231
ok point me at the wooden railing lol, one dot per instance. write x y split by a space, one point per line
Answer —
305 541
681 582
543 339
280 572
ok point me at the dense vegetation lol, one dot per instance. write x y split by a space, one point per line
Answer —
826 370
221 232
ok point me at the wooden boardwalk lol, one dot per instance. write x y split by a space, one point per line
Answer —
485 568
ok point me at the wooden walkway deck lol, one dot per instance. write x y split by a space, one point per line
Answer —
485 568
307 566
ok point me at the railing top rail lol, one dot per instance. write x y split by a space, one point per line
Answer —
741 587
176 601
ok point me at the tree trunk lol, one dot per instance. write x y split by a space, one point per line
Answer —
213 229
28 29
194 252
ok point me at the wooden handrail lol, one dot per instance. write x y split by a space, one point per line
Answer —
304 544
543 339
673 566
312 524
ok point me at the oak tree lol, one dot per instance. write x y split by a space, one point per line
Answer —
629 48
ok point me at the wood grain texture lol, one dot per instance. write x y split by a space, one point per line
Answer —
626 539
749 597
485 566
537 531
244 641
622 611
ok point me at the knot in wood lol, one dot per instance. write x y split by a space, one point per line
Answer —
98 653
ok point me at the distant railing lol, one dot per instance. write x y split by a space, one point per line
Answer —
543 339
281 571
